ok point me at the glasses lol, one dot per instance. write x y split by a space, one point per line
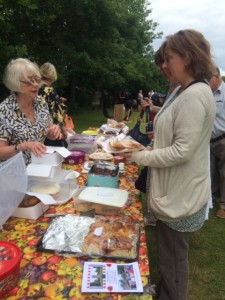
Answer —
32 81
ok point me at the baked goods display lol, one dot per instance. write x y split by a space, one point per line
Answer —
126 144
29 202
101 156
104 170
94 237
107 200
114 124
112 237
113 128
52 189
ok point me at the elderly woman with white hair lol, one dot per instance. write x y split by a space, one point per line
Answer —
25 121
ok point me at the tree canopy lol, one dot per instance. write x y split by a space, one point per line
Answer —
95 45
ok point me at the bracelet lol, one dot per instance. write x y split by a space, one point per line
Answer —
17 149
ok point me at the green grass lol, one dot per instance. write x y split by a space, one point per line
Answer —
206 258
95 118
207 246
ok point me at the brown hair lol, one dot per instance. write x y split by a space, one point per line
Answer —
159 55
192 46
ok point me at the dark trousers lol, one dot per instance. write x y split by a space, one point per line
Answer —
217 167
173 249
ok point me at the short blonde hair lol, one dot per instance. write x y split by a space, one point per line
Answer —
48 71
19 70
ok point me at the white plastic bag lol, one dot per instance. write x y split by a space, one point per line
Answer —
13 185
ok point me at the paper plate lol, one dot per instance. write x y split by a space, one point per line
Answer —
101 156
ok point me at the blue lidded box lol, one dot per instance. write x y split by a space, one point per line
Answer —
103 175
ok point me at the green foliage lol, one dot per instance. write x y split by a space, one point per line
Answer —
95 45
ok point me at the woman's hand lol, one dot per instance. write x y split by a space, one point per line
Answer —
64 133
150 135
144 103
54 132
125 154
36 147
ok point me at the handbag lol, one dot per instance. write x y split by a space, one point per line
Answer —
139 136
141 182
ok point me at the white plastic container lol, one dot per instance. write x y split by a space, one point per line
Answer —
13 185
104 200
53 156
33 212
43 171
66 179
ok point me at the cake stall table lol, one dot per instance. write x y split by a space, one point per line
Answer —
46 275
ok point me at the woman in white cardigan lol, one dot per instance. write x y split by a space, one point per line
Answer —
179 182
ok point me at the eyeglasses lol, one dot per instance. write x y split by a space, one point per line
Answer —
32 81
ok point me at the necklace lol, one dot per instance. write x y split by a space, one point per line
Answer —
29 114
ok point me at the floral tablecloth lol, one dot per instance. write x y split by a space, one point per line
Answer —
45 275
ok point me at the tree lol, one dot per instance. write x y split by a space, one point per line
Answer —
95 45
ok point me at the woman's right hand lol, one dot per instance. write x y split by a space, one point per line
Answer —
150 135
54 132
144 103
36 147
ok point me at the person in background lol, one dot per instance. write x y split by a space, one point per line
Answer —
157 100
150 94
25 120
57 107
129 104
140 97
154 104
179 185
217 142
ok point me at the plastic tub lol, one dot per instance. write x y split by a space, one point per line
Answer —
10 257
103 175
105 201
13 178
76 157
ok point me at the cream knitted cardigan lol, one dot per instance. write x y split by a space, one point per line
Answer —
179 181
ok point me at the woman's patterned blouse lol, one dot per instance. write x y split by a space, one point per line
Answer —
57 109
15 128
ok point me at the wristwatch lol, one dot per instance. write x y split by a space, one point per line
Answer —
17 149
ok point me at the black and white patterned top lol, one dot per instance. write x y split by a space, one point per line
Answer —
16 128
57 109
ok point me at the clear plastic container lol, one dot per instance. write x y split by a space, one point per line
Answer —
13 183
104 200
65 179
